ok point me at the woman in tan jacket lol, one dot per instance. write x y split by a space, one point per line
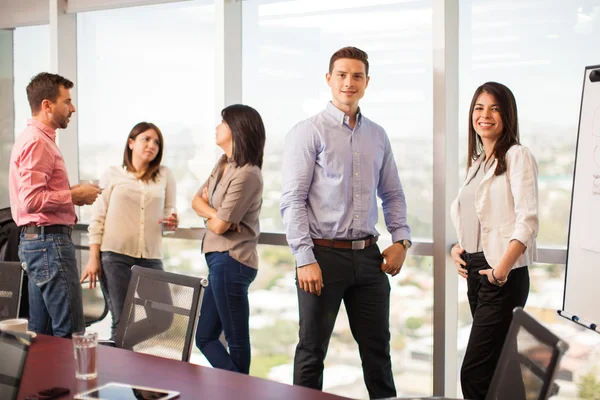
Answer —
496 220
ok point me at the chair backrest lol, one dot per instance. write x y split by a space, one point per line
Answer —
95 307
11 279
13 353
160 313
9 236
528 362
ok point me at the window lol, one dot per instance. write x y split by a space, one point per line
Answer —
32 56
286 50
30 47
156 64
542 61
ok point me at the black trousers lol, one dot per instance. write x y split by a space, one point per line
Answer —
355 277
491 308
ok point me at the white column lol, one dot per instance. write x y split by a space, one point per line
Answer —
7 110
228 54
445 187
63 61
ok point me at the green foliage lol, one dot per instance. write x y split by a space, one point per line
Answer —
413 323
275 339
588 387
277 255
262 364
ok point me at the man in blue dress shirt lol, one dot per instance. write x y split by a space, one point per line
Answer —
334 165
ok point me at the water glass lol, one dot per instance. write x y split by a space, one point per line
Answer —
85 347
166 229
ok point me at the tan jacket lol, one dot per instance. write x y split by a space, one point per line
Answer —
507 207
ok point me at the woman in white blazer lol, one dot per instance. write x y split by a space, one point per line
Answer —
496 220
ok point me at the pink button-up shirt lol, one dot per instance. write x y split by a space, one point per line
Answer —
38 183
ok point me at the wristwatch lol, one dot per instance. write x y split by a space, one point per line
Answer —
406 243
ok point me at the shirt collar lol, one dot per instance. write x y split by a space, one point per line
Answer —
339 115
227 160
46 130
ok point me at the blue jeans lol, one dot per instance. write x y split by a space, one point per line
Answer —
55 305
116 274
225 308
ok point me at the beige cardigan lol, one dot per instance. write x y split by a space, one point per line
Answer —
507 207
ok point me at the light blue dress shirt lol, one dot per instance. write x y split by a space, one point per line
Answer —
331 175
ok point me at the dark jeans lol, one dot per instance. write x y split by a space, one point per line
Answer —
491 307
116 274
55 305
355 277
225 308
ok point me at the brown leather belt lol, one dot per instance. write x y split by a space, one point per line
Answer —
48 229
346 244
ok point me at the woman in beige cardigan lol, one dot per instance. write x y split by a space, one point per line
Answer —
496 220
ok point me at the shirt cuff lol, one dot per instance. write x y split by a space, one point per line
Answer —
523 235
65 201
94 239
401 234
305 257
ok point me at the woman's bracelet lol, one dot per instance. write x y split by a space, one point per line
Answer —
496 281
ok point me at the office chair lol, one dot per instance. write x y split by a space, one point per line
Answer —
13 353
11 281
95 307
160 313
529 361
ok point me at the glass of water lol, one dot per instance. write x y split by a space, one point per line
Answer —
166 229
85 347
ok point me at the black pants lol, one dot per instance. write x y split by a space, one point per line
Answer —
355 277
491 307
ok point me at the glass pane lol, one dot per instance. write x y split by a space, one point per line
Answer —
539 59
286 51
156 64
542 61
32 56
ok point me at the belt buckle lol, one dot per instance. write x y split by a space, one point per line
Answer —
358 244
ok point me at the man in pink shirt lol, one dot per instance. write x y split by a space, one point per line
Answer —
42 204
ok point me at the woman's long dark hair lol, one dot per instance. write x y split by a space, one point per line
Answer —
510 135
247 133
154 166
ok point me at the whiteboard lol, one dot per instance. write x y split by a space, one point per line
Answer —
582 277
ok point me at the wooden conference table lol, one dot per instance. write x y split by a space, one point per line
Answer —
50 363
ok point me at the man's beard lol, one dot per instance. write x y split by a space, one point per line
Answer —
63 123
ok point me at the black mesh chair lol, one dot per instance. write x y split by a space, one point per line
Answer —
95 307
13 353
529 361
11 280
160 313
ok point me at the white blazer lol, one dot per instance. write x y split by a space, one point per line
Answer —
507 206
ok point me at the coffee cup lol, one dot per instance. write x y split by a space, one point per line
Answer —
18 325
95 182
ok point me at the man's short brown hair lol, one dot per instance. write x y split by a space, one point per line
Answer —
352 53
45 86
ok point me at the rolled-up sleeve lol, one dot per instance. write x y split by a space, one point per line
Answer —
522 172
242 192
99 209
392 196
299 157
170 190
35 170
